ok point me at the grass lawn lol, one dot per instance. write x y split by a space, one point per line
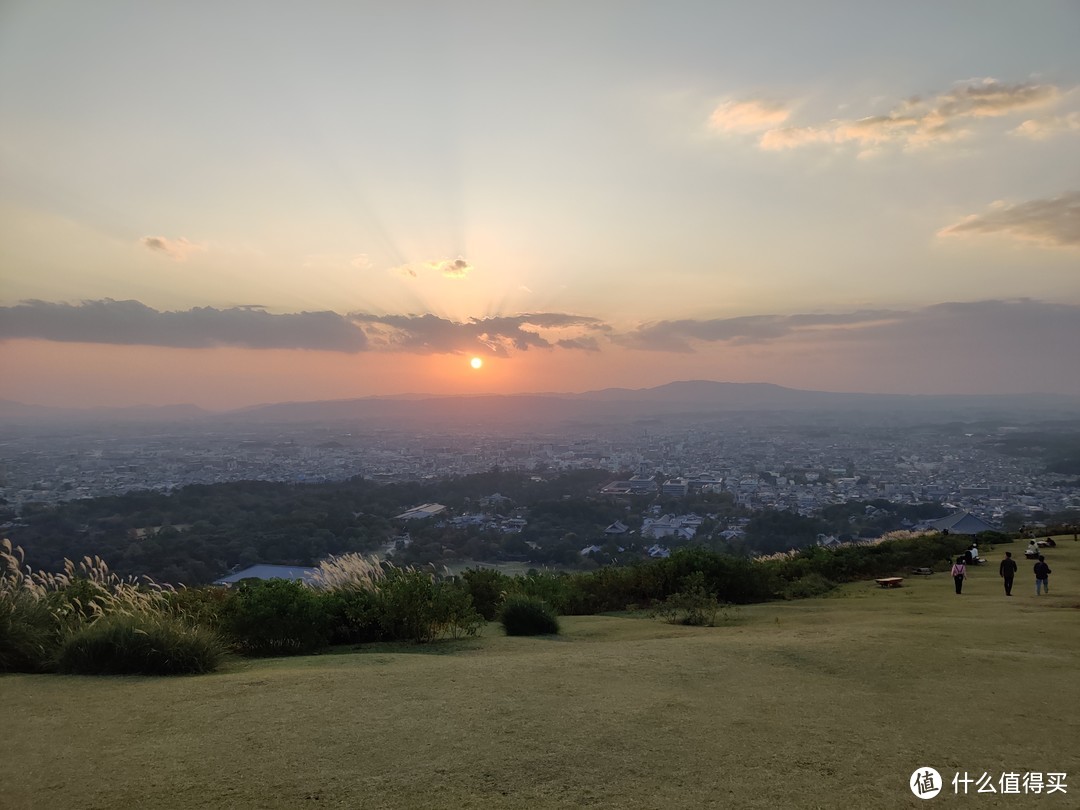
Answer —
826 703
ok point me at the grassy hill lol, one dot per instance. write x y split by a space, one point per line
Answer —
828 702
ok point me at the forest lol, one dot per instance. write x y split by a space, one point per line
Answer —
198 533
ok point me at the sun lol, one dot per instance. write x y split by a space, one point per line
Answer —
476 362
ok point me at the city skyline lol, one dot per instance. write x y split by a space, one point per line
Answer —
227 208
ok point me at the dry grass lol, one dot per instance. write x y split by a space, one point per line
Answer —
102 592
350 572
819 703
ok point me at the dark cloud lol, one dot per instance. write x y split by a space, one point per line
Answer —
679 336
946 325
1054 222
497 335
458 268
178 249
134 323
587 344
251 326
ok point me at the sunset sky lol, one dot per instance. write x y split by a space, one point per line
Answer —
232 203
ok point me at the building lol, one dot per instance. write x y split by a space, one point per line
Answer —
297 573
961 523
424 510
678 487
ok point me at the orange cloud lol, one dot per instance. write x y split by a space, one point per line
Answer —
915 122
1039 129
752 115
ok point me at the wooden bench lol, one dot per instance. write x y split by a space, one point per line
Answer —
890 582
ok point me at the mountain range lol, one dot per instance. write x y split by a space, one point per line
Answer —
689 398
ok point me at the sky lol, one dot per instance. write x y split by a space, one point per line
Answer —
240 202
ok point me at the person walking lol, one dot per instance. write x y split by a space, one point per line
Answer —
1042 576
1007 570
959 571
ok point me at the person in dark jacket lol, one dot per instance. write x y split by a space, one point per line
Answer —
1007 570
1042 576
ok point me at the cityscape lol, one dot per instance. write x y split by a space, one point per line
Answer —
796 463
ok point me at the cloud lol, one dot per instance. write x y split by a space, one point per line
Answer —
176 249
430 334
134 323
1054 222
458 268
752 115
1039 129
971 330
917 122
680 335
252 327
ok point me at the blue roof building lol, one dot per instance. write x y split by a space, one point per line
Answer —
294 572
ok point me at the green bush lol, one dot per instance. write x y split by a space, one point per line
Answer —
140 644
204 606
692 604
356 616
812 584
527 616
417 606
276 617
486 587
29 634
553 587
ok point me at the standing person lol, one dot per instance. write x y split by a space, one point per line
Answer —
1007 570
1042 576
959 571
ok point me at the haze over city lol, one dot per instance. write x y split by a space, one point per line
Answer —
281 202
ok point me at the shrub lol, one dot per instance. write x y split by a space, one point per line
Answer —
486 587
417 606
204 606
355 616
29 634
812 584
691 604
552 587
276 617
527 616
140 644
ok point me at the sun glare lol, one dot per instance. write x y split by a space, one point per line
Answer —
476 362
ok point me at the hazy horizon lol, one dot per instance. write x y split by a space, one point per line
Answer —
330 202
626 393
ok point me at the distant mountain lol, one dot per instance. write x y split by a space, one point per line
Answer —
693 398
684 399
